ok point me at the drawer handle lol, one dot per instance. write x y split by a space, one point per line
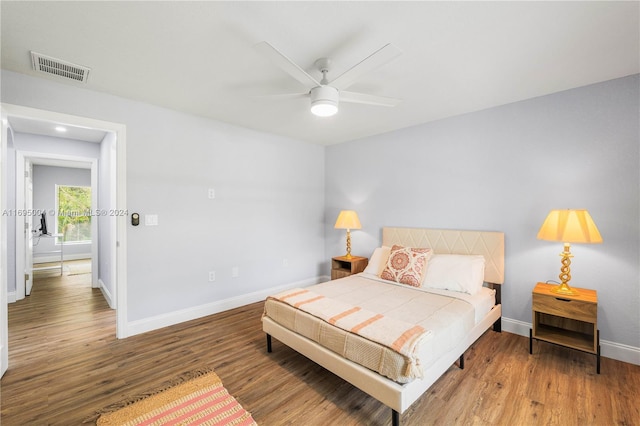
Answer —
563 300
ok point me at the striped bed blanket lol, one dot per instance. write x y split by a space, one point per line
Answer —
400 336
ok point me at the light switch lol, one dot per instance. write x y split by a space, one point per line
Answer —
151 220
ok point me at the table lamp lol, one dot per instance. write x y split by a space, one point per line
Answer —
568 226
348 219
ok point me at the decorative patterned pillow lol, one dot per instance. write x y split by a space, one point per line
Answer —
406 265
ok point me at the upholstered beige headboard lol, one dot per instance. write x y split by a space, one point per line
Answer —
445 241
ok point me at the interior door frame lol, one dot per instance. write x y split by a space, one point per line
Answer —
28 203
22 159
117 181
4 318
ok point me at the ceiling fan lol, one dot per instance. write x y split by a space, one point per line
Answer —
326 94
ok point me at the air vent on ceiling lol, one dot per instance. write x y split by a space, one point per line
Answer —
64 69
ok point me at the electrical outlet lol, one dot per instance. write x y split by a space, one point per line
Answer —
212 276
235 272
212 193
285 263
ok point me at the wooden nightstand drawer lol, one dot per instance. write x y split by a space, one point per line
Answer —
338 273
567 308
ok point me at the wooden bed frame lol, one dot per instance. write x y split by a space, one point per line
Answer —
398 396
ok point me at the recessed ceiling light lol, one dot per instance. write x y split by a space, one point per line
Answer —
61 129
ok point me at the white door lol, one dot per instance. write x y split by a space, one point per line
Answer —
28 226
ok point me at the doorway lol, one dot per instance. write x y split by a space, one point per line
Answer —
42 172
111 259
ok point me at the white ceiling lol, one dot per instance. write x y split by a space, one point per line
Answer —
59 130
198 57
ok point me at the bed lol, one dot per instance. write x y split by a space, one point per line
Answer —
398 386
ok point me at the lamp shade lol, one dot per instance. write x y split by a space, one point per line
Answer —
569 226
348 219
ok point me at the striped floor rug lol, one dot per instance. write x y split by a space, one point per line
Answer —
200 400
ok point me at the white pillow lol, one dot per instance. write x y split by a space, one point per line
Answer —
378 260
456 272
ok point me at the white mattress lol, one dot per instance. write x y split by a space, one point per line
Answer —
448 315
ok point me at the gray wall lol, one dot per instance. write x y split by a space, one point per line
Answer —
269 202
56 146
45 179
504 169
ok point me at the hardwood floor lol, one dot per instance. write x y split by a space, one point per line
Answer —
65 364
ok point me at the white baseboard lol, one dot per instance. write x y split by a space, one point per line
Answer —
613 350
56 258
106 293
11 297
165 320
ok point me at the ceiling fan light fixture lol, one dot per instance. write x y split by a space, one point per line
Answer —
324 108
324 101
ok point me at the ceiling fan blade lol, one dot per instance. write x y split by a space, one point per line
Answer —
371 62
287 64
284 96
362 98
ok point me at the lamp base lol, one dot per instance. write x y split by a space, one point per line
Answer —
565 273
348 255
564 289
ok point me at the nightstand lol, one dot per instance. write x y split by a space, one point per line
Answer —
342 266
570 321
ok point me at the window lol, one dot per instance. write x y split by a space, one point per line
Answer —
74 213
